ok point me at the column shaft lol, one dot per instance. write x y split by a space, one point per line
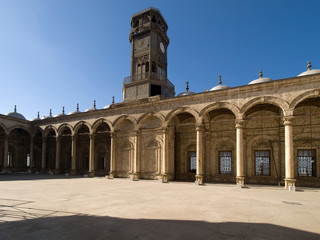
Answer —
5 153
239 152
74 155
91 157
43 154
112 156
31 164
136 158
58 141
289 154
199 172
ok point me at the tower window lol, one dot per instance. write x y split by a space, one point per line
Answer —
155 90
147 66
153 67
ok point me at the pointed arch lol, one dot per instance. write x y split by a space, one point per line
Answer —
175 112
80 124
64 126
21 127
149 114
283 105
304 96
4 129
97 123
48 128
122 118
218 105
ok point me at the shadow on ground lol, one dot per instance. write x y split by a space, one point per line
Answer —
94 227
34 176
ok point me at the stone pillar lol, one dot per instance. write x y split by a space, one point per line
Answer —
239 152
199 174
74 155
112 156
91 156
165 156
289 154
136 158
5 153
43 154
31 165
58 141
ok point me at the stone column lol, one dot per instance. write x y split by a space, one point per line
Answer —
5 153
165 156
136 158
289 154
58 141
112 156
91 156
31 165
239 152
199 174
43 154
74 155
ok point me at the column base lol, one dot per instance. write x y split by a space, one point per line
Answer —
43 170
163 178
134 176
92 173
240 182
199 180
57 171
111 175
73 172
290 184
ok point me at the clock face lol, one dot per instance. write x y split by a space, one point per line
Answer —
162 47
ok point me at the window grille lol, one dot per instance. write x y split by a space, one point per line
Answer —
225 159
192 157
307 163
262 160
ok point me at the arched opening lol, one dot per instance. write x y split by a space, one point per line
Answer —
37 150
184 156
83 146
306 129
264 145
220 164
51 151
102 149
65 149
19 158
2 139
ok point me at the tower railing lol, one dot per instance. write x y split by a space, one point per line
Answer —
148 75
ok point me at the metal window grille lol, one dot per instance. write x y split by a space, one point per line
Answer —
262 160
192 156
225 159
306 163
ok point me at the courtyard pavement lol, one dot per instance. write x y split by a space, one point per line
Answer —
39 206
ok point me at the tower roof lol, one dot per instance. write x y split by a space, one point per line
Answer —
149 9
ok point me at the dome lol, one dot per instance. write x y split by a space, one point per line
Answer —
106 107
260 79
36 119
15 114
92 109
60 114
187 92
75 112
47 117
220 86
309 71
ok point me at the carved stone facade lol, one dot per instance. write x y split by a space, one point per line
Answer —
262 133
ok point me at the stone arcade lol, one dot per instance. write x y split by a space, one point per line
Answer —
265 132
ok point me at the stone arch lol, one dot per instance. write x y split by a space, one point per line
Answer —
125 156
36 130
97 123
304 96
145 116
214 106
175 112
125 123
150 121
21 127
151 160
62 128
48 128
4 129
283 105
79 125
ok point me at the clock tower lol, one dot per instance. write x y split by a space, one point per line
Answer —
149 43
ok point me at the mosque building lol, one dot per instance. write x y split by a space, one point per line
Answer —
266 132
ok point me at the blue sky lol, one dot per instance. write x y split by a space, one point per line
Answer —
56 53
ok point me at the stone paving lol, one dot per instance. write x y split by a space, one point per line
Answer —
60 207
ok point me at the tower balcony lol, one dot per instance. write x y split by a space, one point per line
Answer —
148 76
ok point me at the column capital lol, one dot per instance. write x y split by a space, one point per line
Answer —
58 138
137 133
239 123
199 127
287 120
113 134
92 136
165 130
74 136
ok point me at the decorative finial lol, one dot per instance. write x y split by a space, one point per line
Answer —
50 113
63 110
187 88
77 107
112 99
260 74
15 108
309 65
220 82
38 114
94 104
